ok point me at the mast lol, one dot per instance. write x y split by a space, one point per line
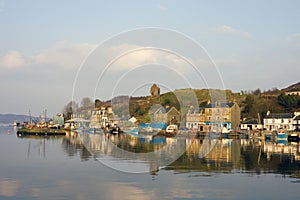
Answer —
30 117
45 115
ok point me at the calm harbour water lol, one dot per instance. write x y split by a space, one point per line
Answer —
69 168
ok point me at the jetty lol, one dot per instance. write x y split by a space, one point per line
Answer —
41 131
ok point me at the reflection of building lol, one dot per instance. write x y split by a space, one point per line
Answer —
296 123
215 116
170 116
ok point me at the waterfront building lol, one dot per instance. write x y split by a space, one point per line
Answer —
58 119
221 114
276 121
252 124
169 115
214 116
102 117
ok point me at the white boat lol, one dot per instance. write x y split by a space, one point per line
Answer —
171 129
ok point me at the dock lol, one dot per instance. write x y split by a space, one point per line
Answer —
41 131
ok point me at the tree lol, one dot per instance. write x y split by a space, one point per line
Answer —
298 103
257 91
98 103
249 101
69 109
86 103
287 101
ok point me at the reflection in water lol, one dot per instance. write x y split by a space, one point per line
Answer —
8 188
69 170
226 155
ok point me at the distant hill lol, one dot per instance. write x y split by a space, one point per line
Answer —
294 87
9 118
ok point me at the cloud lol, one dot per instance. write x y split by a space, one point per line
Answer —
161 7
12 60
134 56
66 55
230 30
294 36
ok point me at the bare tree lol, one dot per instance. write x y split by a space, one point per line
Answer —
69 109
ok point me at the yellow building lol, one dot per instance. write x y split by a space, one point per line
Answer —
215 116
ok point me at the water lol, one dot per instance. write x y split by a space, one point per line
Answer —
69 168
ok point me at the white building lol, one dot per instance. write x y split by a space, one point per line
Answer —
193 120
276 121
293 93
251 125
296 123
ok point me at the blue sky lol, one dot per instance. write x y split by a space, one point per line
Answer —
256 44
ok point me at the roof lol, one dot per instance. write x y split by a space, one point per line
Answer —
279 115
251 121
164 110
297 117
222 105
78 120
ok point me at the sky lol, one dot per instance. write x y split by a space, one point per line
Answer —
55 51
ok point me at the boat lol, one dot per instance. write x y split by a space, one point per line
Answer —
225 132
171 130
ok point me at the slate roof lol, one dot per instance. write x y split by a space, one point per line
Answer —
251 121
279 115
221 105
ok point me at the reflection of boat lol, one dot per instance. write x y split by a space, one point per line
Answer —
294 137
282 142
133 131
115 131
281 135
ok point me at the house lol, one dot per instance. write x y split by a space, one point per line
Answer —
296 123
252 124
194 119
276 121
221 114
170 116
102 117
293 93
214 117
